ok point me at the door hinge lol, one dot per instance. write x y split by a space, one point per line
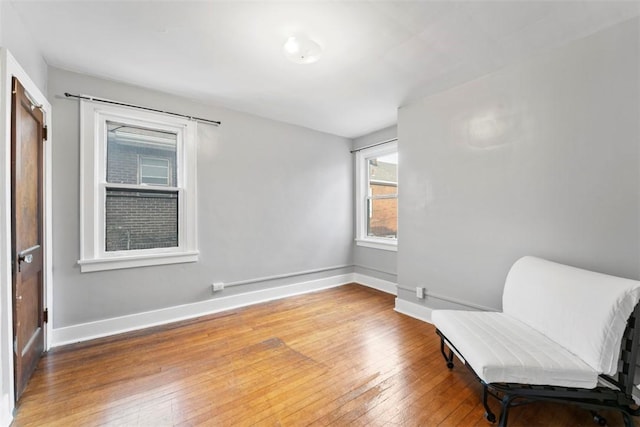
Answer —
15 345
45 133
45 315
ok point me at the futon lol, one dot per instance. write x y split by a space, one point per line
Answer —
565 335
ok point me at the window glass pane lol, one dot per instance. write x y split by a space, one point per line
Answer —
127 144
138 219
382 201
383 174
382 218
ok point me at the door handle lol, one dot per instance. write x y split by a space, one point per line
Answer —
25 258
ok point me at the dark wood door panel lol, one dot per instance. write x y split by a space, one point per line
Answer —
28 171
26 234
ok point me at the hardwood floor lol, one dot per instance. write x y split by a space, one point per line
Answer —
337 357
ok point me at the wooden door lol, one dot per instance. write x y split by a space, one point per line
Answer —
27 140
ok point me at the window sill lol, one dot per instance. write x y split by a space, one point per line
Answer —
378 244
116 263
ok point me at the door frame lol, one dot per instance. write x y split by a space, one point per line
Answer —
10 68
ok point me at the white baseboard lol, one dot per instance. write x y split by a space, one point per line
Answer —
375 283
117 325
133 322
414 310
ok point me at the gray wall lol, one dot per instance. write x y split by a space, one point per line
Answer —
539 158
377 263
17 38
272 199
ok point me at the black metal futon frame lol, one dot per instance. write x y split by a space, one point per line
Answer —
611 394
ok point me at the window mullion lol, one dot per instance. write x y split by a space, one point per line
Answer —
146 188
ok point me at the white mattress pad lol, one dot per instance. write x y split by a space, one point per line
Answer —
502 349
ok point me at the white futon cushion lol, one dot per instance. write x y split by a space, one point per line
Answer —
501 349
584 311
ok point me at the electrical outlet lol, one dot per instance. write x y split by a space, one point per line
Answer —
217 286
420 292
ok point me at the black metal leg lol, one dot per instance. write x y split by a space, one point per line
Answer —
488 414
447 357
504 415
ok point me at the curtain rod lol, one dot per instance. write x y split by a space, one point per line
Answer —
123 104
373 145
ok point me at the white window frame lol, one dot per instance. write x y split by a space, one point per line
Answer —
93 152
362 192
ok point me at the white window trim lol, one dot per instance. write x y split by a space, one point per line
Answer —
93 256
362 172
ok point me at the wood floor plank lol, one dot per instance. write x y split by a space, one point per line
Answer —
337 357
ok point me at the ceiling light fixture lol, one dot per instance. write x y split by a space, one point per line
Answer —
302 50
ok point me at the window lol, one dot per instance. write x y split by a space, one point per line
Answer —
137 188
377 197
154 171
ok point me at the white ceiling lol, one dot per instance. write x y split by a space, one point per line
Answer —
377 55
